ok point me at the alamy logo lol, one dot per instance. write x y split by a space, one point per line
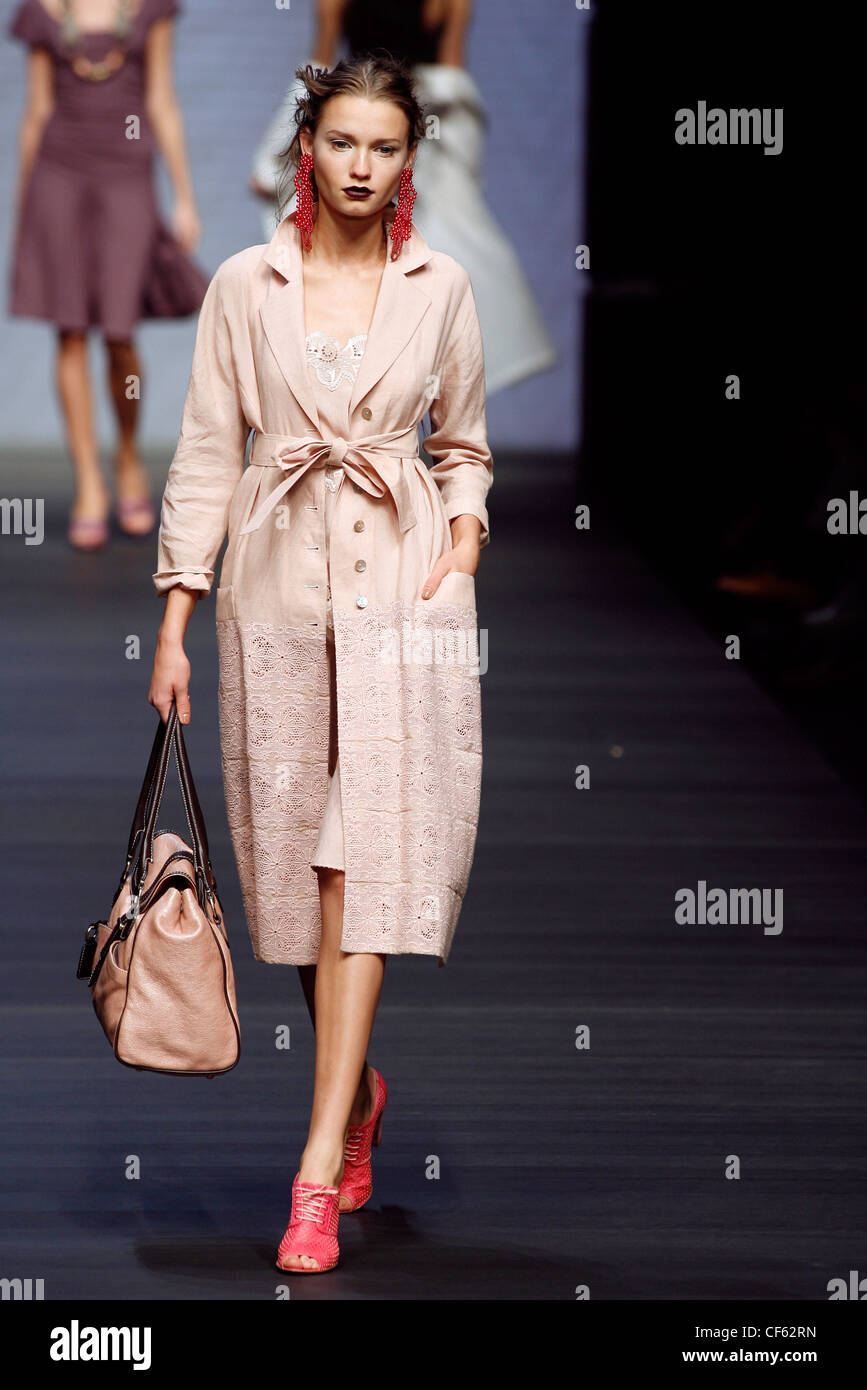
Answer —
847 518
855 1289
76 1343
720 907
444 645
23 516
740 126
24 1289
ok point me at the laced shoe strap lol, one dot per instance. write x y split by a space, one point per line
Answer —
353 1147
313 1201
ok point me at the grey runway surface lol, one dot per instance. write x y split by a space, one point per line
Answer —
558 1167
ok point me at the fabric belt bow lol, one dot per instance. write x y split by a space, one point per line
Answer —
371 462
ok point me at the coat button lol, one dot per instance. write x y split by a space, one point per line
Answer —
361 565
361 601
367 413
359 526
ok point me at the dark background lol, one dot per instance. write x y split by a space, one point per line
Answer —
713 260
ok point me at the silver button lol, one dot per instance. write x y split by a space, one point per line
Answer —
367 412
361 565
361 601
359 526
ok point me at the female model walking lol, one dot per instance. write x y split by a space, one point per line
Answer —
89 247
349 681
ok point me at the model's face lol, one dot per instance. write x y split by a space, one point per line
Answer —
360 145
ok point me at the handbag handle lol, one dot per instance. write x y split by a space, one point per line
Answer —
141 811
168 739
173 742
138 820
193 807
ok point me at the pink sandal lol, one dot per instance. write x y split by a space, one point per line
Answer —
312 1228
357 1182
128 511
87 533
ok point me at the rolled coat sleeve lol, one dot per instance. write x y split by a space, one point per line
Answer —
209 458
464 468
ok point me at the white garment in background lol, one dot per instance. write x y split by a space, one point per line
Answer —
451 212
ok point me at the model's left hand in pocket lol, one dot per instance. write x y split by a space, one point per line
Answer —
463 557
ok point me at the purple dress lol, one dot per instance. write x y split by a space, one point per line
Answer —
90 248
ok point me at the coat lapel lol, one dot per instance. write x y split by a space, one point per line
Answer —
400 305
282 315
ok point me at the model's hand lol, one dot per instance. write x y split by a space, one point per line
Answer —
463 557
170 680
186 227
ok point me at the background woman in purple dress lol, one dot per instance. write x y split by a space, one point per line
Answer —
90 249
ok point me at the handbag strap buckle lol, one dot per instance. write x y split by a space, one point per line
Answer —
129 918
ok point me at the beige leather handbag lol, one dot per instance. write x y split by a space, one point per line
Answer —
159 968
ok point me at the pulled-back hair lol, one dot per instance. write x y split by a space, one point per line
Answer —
377 75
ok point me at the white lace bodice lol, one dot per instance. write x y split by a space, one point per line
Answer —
332 363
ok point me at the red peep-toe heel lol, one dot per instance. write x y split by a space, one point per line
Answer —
312 1228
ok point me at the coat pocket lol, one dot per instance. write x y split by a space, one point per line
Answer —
225 605
455 587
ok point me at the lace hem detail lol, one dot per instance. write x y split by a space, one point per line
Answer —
410 761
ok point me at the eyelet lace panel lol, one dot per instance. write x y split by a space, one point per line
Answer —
332 363
410 761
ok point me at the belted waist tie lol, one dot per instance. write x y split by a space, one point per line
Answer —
373 462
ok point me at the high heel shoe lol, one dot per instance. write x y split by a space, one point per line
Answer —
357 1184
312 1228
87 533
141 510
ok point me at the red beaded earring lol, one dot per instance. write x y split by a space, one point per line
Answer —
400 227
304 204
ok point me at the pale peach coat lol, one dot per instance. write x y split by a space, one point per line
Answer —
408 693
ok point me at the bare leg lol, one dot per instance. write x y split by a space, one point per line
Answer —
365 1096
347 990
72 377
131 478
